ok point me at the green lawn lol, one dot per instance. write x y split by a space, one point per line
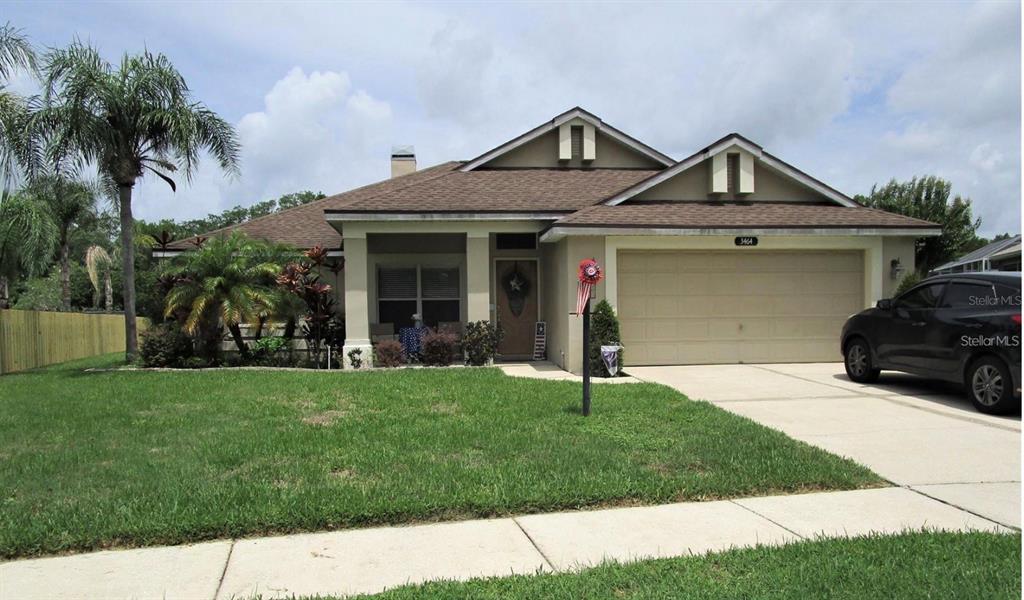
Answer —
913 565
99 459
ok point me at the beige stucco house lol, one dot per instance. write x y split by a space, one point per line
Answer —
729 255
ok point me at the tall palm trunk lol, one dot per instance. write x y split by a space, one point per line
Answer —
108 291
65 272
128 271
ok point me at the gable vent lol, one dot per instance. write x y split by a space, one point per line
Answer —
577 142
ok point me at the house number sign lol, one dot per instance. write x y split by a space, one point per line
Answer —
746 240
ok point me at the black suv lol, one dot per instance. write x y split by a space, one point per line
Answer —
962 327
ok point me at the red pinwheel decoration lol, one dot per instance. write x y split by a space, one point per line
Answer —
589 274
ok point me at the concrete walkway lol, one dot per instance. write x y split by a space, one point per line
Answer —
371 560
552 372
916 433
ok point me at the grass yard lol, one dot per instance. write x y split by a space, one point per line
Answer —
101 459
912 565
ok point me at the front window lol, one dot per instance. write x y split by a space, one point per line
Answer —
432 292
926 296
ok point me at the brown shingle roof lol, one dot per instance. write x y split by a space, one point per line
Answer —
304 226
714 215
503 190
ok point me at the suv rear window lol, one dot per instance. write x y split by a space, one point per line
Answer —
969 295
926 296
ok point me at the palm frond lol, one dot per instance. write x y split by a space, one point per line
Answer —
96 259
16 52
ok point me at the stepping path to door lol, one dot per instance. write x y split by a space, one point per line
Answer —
371 560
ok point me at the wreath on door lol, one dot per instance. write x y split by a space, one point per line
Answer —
516 287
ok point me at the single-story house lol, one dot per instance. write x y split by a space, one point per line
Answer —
730 255
1001 255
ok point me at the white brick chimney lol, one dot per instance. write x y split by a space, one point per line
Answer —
403 160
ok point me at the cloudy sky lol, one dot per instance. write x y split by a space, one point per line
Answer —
852 93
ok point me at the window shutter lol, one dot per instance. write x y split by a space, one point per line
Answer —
396 283
440 283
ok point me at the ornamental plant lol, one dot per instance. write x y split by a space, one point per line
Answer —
388 354
302 280
165 345
229 281
438 348
604 330
480 342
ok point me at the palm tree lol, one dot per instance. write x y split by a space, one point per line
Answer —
26 239
16 146
130 119
228 280
96 260
70 202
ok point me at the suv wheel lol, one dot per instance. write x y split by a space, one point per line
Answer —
990 386
858 362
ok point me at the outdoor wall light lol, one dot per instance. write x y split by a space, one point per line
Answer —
896 268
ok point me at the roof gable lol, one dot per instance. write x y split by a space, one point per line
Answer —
778 169
650 156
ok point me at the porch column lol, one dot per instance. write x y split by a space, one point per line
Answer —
357 313
478 289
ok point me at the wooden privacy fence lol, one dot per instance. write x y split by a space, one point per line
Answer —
30 339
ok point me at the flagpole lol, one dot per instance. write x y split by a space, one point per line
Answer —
586 357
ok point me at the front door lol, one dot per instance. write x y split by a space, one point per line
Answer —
516 306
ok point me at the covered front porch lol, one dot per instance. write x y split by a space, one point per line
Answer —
440 274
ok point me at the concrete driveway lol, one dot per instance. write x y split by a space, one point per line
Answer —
921 435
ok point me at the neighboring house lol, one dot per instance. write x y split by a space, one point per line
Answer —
729 255
1003 255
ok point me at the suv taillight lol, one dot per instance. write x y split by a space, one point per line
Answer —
1015 318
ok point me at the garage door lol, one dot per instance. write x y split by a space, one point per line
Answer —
679 308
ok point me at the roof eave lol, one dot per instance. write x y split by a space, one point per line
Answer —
340 216
557 232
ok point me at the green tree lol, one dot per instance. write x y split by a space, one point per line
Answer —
928 198
17 147
131 119
27 234
604 330
70 203
229 280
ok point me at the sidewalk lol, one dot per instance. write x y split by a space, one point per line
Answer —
371 560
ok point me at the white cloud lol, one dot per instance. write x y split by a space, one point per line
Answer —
985 157
314 132
853 93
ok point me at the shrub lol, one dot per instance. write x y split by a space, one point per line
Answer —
909 280
480 342
165 346
197 362
604 330
438 348
267 352
388 353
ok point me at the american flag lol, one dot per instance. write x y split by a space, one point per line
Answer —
582 295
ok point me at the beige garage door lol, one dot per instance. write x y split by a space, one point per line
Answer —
679 308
